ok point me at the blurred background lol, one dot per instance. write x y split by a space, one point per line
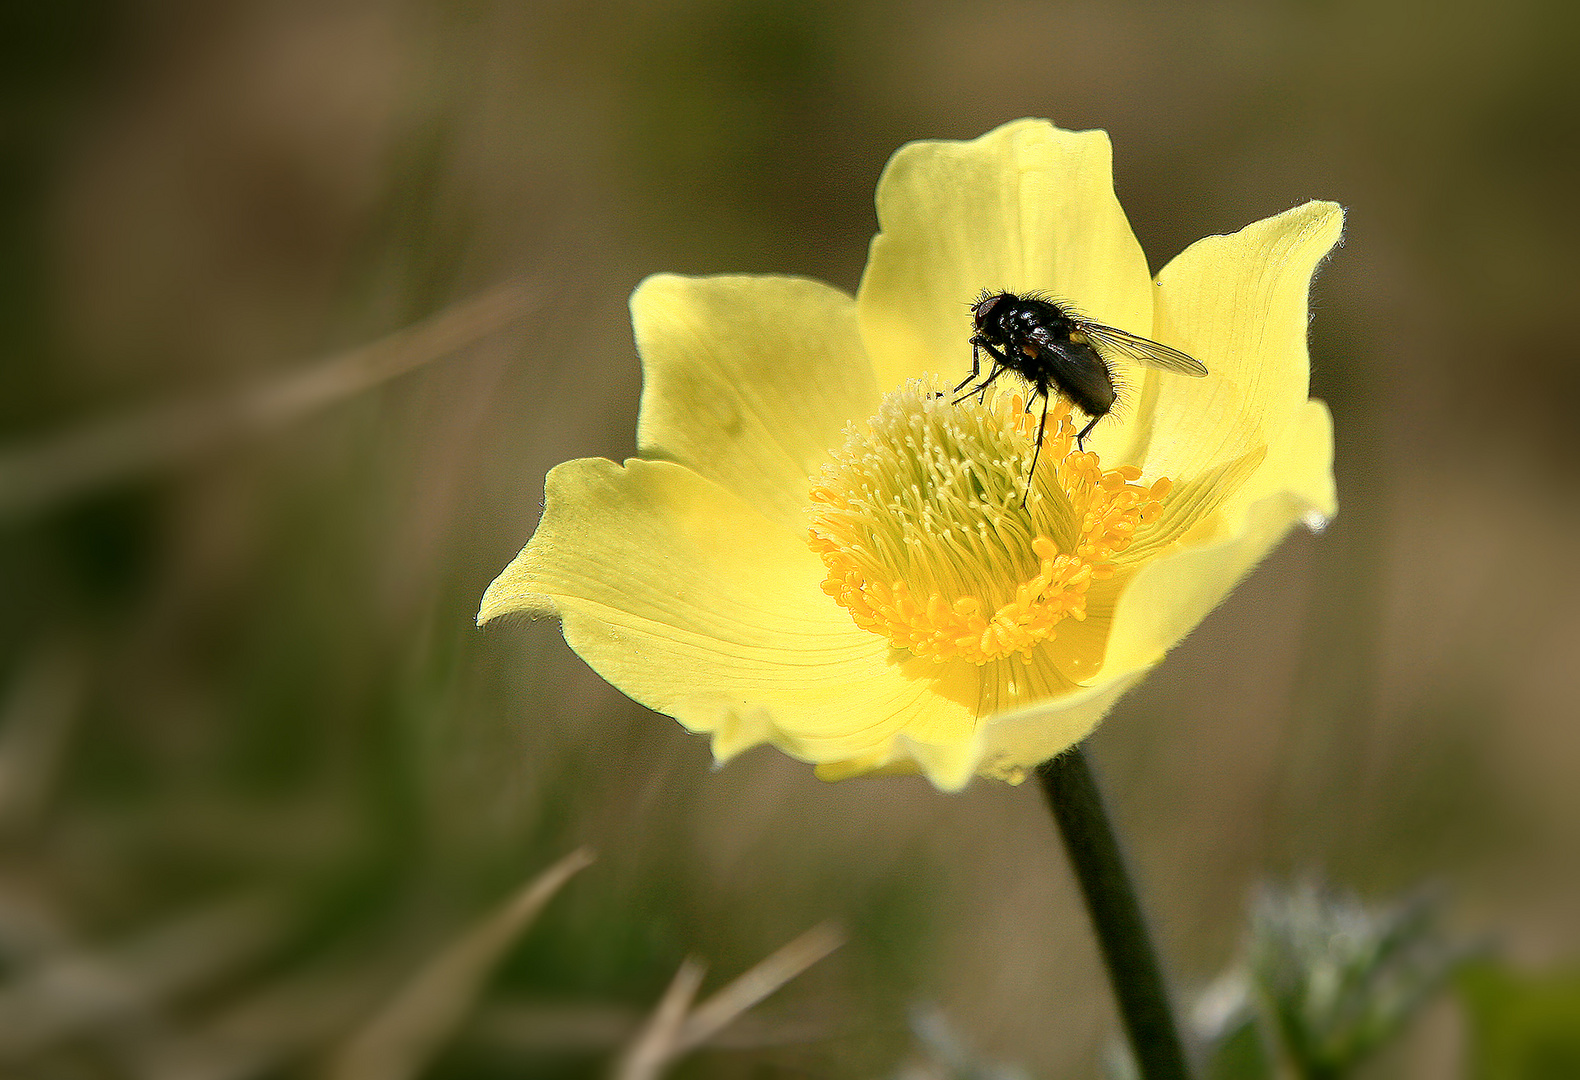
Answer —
257 766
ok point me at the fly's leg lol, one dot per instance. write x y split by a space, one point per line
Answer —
976 367
980 390
1041 425
980 345
1080 437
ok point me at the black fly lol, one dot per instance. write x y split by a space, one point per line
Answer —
1052 347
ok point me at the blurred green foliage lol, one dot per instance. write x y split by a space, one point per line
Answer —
1324 984
1523 1027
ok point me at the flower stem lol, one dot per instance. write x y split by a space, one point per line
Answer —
1132 964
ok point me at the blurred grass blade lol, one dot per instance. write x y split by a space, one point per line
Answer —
67 465
536 1028
269 1030
709 1018
399 1040
35 721
70 993
670 1032
658 1043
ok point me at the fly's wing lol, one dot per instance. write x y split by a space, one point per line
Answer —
1142 350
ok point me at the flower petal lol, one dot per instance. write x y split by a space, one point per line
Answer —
1300 462
1238 304
1025 208
749 381
1169 596
694 604
1191 512
1004 746
1013 743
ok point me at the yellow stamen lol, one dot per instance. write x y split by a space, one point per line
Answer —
921 527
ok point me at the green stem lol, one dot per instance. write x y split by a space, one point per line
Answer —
1132 963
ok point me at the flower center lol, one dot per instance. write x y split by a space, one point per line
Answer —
920 524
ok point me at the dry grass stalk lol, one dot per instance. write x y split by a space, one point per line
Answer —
398 1041
658 1043
768 975
68 993
66 465
670 1034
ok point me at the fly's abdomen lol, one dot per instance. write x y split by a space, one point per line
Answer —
1084 377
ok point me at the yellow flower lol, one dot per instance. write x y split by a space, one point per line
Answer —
818 549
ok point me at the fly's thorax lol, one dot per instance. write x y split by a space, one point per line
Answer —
1039 319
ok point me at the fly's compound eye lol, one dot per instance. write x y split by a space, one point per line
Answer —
984 308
